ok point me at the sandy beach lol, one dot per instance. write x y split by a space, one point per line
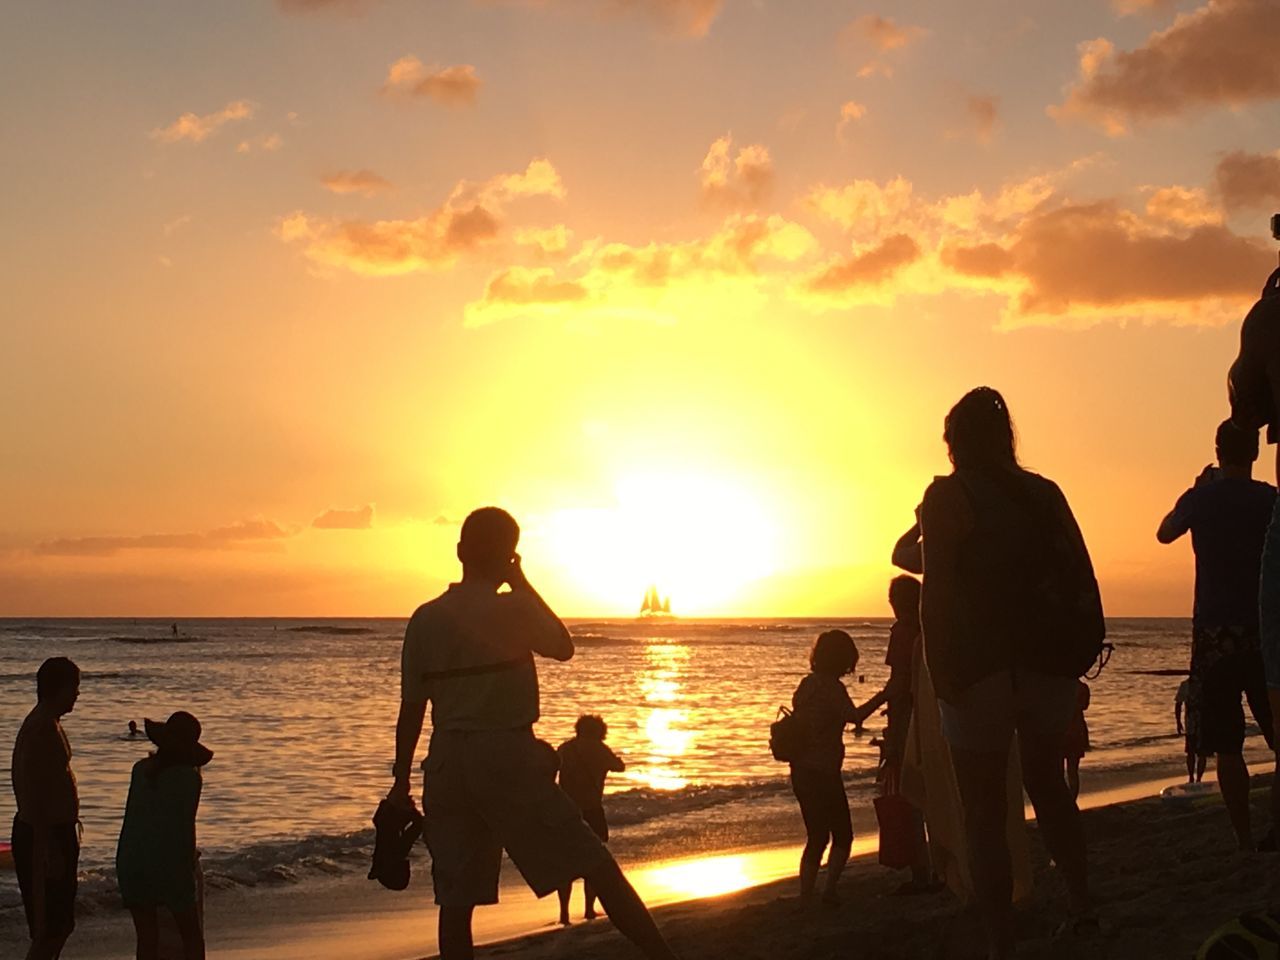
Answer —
1164 876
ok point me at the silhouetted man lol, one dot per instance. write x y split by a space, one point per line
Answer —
1227 513
489 784
46 842
1253 385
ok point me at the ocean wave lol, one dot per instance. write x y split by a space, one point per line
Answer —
149 641
331 630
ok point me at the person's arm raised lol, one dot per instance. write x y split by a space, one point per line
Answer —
548 635
1178 520
907 553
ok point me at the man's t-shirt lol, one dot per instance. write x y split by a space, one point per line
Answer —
584 764
43 784
1228 521
461 634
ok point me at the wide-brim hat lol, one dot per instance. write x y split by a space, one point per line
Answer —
179 736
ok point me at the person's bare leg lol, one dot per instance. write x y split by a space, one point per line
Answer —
836 861
1191 768
983 794
46 948
589 893
148 932
188 924
626 910
1073 777
1201 763
1057 815
810 863
455 932
1233 781
565 893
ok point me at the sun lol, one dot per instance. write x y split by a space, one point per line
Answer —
701 539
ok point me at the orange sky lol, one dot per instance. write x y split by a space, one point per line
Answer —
687 285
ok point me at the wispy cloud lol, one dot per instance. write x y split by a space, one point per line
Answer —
984 114
364 182
409 77
851 111
867 267
233 535
197 128
691 18
472 217
267 143
336 518
882 35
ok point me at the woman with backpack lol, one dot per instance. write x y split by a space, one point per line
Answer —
822 709
1011 618
156 855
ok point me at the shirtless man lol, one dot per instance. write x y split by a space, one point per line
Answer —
1253 385
46 843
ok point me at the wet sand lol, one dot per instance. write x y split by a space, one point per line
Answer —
1165 876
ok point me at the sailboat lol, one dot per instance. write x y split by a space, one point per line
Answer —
655 605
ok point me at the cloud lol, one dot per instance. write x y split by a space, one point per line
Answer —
866 268
335 518
984 113
864 207
1127 8
625 279
547 242
313 6
1183 207
883 33
523 286
741 181
1083 261
196 128
453 86
267 143
850 112
176 224
364 182
1248 181
1222 54
692 18
233 535
471 218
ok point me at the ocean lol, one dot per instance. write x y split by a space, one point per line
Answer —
300 715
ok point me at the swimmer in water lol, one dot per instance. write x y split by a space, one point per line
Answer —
133 730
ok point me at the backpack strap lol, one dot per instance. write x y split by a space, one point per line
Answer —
475 671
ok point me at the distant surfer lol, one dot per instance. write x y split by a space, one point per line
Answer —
133 730
174 628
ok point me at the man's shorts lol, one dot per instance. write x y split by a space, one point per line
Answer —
1269 601
489 791
1227 663
48 886
986 714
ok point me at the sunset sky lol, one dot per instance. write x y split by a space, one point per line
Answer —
686 285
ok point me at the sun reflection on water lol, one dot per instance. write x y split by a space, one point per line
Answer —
708 877
666 728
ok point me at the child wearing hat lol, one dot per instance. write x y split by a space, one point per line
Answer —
156 856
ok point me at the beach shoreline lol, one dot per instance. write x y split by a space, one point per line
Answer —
348 917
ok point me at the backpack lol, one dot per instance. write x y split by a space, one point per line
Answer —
1063 591
785 736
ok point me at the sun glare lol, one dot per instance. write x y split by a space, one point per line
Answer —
702 540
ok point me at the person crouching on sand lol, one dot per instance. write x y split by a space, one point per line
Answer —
156 855
822 709
585 761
